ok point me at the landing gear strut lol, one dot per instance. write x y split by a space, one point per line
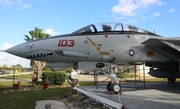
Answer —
113 86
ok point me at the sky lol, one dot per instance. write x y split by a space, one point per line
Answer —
55 17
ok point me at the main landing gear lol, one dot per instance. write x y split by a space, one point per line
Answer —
171 80
113 86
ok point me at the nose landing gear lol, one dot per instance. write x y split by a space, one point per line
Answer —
73 78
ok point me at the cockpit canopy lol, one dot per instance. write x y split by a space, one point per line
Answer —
111 27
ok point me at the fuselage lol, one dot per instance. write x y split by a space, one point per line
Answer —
105 45
102 46
118 45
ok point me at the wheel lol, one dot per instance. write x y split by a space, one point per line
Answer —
116 87
171 80
72 82
109 86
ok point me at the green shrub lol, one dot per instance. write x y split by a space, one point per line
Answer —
126 75
48 77
57 77
123 75
60 77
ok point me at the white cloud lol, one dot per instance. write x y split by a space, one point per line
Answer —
131 21
119 18
8 59
6 2
19 3
6 46
143 18
25 6
171 10
133 7
156 14
104 15
51 32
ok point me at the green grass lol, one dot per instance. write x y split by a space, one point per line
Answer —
25 76
6 84
22 76
27 100
88 83
127 75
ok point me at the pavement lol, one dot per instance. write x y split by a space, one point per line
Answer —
156 95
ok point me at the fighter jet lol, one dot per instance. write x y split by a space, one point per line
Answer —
104 45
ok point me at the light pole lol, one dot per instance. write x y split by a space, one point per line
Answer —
14 68
14 73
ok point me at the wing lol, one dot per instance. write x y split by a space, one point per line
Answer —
169 47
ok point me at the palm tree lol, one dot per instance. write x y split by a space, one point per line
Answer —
27 38
36 34
36 65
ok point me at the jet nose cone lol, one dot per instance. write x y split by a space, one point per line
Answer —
16 50
12 50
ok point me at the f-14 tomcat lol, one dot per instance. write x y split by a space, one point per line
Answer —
104 45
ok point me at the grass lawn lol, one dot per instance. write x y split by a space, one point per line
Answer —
6 84
27 99
20 76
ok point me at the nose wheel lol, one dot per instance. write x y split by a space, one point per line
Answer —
73 78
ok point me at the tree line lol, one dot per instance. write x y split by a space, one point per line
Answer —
18 67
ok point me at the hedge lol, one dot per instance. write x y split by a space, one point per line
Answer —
54 77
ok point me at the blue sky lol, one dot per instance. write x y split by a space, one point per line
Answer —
65 16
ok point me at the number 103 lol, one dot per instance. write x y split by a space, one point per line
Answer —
65 43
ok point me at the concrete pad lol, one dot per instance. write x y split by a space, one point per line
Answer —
159 95
54 104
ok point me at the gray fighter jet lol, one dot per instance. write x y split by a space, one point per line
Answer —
104 45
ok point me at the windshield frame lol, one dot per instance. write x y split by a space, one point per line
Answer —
112 27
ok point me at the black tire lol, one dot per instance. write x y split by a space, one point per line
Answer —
109 86
171 80
115 87
72 82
